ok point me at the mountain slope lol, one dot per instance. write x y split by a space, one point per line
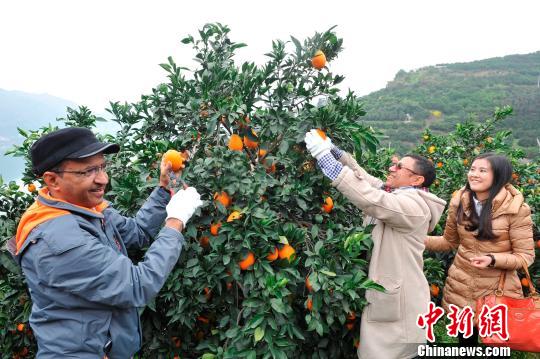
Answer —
27 111
440 96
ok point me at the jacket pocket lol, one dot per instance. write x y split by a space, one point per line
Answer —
385 306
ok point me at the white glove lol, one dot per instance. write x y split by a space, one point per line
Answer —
316 145
183 204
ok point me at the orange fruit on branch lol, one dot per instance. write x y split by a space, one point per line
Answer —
249 143
328 205
287 252
318 60
524 282
223 198
308 285
235 143
175 158
20 327
204 241
434 289
309 304
214 228
351 316
247 261
31 188
272 256
177 342
322 134
262 152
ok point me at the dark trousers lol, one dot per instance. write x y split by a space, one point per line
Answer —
471 341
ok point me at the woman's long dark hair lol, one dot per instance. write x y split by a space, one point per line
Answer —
502 173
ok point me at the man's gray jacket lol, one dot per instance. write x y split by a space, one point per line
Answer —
85 290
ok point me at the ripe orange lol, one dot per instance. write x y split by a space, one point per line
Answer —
434 289
351 316
272 256
31 188
322 134
439 164
247 261
465 162
223 198
524 282
271 168
328 205
515 176
309 304
250 143
203 319
20 327
234 216
432 149
207 293
176 341
287 252
308 285
175 158
214 228
204 241
262 152
318 60
235 143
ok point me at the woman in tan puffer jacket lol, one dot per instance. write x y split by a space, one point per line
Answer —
490 225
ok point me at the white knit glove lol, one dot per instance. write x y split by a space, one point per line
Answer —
183 204
316 145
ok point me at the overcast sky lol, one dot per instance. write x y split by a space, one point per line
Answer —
91 52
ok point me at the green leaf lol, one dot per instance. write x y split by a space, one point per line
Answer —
328 273
278 305
259 334
318 247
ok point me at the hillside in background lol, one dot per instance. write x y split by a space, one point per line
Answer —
27 111
437 97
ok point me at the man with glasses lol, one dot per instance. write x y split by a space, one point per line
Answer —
403 212
72 246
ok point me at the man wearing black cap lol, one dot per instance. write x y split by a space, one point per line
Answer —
72 248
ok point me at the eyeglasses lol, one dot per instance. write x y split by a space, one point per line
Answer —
399 166
90 172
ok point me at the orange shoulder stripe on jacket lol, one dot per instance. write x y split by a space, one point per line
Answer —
35 215
39 213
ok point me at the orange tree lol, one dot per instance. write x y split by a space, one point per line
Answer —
453 153
243 125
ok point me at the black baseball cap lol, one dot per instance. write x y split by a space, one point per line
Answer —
64 144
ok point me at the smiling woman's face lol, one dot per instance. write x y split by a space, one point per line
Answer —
480 177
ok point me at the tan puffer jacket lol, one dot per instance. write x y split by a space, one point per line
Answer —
512 224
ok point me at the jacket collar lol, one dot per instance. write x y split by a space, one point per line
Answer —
507 201
45 198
